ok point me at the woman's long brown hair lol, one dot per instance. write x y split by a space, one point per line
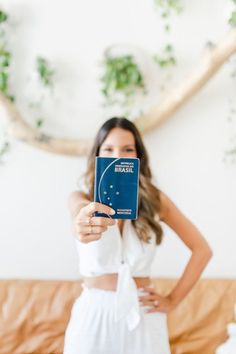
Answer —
149 195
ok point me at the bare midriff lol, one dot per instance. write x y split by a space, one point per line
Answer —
109 281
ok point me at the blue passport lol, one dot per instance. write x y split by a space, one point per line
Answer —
116 185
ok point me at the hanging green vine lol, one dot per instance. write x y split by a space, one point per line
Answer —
5 62
121 79
167 7
167 59
5 58
232 19
230 154
46 76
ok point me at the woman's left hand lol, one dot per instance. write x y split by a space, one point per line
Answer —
157 302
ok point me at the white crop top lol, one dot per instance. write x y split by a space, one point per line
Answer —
128 256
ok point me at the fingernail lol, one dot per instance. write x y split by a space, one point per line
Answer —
112 211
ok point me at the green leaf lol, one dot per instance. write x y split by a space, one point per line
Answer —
10 97
4 149
3 81
168 48
5 59
167 27
44 71
232 20
3 16
165 62
169 5
39 122
164 14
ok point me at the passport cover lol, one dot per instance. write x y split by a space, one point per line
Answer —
116 184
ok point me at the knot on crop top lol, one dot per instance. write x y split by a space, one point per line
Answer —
125 255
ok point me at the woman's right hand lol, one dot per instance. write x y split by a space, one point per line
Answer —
90 228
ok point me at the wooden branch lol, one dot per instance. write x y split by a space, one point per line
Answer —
212 60
24 132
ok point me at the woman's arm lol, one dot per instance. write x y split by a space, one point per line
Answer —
193 239
201 253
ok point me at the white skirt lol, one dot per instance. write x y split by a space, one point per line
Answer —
92 328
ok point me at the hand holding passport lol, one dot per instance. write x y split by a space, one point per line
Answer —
116 185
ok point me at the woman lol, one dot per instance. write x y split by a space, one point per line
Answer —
119 311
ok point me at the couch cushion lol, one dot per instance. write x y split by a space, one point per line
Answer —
34 315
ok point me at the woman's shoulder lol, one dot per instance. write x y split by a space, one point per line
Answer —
167 206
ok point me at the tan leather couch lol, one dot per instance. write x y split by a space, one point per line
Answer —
34 315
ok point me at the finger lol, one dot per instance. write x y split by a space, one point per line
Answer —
85 230
147 303
88 238
83 220
155 309
101 221
147 297
149 290
91 208
81 225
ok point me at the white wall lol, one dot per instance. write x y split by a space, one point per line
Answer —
185 152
